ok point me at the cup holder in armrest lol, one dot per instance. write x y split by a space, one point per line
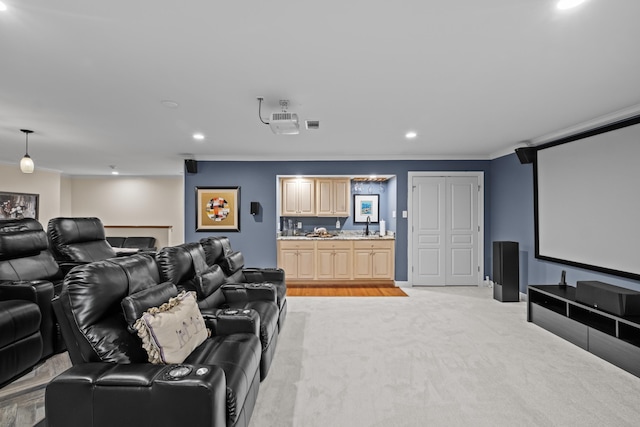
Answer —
260 285
236 312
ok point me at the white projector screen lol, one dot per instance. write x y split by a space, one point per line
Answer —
588 199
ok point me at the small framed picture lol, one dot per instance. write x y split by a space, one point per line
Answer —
18 205
366 208
217 208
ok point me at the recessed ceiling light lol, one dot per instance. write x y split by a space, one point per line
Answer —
3 7
198 136
114 171
568 4
410 135
169 104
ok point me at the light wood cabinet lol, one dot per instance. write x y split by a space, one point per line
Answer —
333 197
297 259
334 259
298 197
373 259
349 261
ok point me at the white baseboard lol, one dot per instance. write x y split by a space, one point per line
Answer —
403 284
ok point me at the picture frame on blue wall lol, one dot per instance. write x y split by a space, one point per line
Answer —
366 206
218 209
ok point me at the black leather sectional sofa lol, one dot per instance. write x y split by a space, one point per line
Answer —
123 373
67 287
29 279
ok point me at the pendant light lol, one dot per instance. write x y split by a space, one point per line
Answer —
26 164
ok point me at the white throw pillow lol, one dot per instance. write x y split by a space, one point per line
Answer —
172 331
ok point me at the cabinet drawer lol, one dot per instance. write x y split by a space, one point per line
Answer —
562 326
333 244
296 244
373 244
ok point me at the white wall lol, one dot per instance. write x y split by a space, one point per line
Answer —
44 183
122 201
133 201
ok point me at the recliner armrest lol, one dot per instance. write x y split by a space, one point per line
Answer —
242 292
234 321
106 395
66 266
263 274
38 291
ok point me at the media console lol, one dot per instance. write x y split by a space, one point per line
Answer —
613 338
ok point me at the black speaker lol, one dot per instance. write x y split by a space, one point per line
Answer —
610 298
255 208
506 271
191 165
526 154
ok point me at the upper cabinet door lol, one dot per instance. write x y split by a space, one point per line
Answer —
306 197
333 196
298 197
342 197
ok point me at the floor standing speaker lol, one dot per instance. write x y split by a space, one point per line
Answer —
506 271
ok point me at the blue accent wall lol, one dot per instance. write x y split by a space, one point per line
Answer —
509 213
258 182
512 218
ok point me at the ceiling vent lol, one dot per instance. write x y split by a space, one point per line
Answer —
312 124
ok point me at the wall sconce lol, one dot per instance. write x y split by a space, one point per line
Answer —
26 163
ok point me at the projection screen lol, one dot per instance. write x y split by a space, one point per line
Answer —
587 198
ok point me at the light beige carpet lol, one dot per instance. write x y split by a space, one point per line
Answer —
442 357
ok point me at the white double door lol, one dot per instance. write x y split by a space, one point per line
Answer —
444 230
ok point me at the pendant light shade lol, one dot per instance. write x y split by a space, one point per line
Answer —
26 163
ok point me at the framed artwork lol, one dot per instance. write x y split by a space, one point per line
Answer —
217 208
18 205
366 206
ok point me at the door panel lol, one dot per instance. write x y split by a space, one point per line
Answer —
445 230
429 263
462 202
428 211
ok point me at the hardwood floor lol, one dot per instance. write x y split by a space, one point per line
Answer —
338 290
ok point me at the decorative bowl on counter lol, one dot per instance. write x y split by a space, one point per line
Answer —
324 235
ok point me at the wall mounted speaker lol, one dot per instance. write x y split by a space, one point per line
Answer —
255 208
191 165
526 154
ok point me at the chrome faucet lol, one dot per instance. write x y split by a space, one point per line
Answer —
366 230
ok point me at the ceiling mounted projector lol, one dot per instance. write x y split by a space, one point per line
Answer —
282 122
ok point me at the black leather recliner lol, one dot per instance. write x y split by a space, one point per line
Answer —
112 383
77 241
185 266
147 244
218 251
20 338
29 272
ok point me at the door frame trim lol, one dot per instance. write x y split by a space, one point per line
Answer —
445 174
